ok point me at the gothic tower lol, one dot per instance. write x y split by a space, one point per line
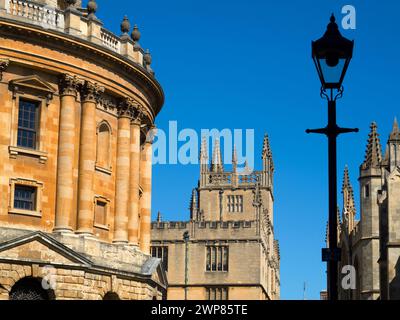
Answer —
370 184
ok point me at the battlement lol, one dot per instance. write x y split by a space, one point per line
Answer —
205 231
79 23
204 224
233 179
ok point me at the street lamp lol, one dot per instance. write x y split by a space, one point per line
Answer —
186 240
332 54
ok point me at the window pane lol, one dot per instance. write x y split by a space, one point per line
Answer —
27 123
208 259
219 258
225 259
25 198
214 259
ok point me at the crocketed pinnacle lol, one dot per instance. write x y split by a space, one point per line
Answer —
267 152
216 163
395 134
373 156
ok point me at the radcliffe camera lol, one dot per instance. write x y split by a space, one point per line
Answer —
199 158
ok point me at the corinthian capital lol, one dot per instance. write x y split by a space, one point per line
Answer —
3 66
69 85
138 114
128 108
91 92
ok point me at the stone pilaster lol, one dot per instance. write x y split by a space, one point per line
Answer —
90 95
68 88
145 201
133 221
122 172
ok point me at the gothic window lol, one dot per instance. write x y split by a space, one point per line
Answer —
161 253
235 203
27 123
25 198
217 293
217 258
103 146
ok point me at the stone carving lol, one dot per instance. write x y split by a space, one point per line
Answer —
69 85
3 66
91 92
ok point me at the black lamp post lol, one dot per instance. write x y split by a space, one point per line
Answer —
332 54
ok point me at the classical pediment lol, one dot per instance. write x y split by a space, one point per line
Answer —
154 267
33 82
40 248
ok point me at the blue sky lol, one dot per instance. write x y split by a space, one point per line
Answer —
247 65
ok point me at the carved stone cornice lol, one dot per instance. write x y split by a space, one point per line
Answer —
107 103
91 92
69 85
4 63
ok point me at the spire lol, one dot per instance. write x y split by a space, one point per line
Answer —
373 156
204 151
193 201
216 163
267 152
234 159
349 209
395 134
159 217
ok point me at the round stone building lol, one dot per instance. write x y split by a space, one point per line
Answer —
77 109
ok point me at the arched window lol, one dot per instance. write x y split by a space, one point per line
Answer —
111 296
30 289
104 146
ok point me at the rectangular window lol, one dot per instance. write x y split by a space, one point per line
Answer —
217 293
100 213
217 258
25 198
161 253
27 123
235 203
367 191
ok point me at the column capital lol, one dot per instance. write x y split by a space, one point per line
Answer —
4 63
69 85
138 114
91 92
125 108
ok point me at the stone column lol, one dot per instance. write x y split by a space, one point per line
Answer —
90 95
68 89
133 221
145 201
122 173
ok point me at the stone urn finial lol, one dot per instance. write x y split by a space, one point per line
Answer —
92 9
125 26
147 57
136 34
